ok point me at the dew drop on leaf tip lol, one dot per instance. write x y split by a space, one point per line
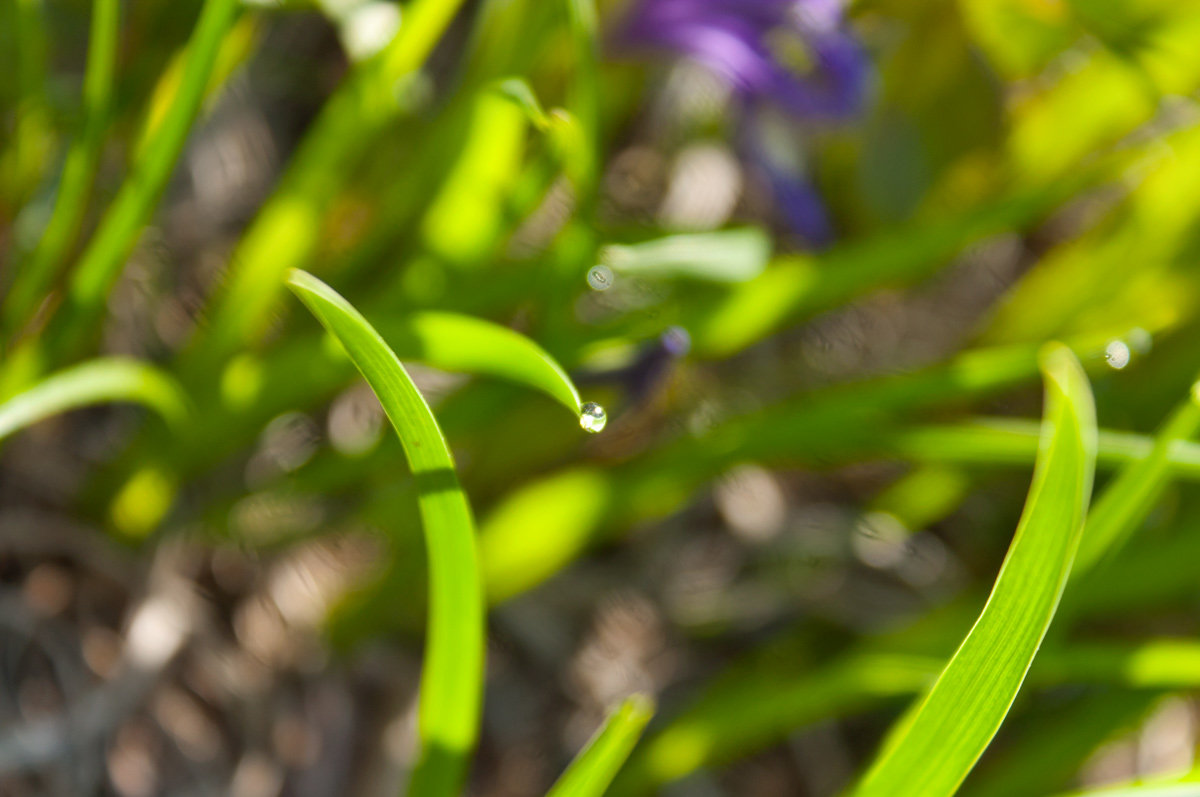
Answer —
1117 354
592 417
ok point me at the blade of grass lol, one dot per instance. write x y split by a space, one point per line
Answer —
1127 500
1009 441
731 256
939 744
456 342
452 682
105 255
22 160
590 774
38 274
94 382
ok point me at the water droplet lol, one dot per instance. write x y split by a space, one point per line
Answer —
600 277
592 417
1117 354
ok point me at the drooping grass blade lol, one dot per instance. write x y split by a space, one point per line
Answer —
935 748
597 764
94 382
452 683
35 276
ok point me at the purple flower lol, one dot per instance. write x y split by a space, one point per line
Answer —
792 53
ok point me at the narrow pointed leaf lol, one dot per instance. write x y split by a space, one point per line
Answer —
452 682
598 763
457 342
939 743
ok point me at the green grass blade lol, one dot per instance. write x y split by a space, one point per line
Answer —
39 272
452 683
94 382
598 763
456 342
107 252
1127 500
728 256
24 156
1010 441
942 740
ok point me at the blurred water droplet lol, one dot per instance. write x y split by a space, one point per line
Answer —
592 417
600 278
1117 354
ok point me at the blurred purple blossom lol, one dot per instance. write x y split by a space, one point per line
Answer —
792 53
796 56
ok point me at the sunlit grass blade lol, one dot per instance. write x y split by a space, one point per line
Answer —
722 256
457 342
105 255
35 275
452 682
590 774
94 382
939 744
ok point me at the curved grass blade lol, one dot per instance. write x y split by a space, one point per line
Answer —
931 754
106 254
598 763
452 684
39 272
94 382
456 342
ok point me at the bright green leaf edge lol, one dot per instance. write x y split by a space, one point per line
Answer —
452 681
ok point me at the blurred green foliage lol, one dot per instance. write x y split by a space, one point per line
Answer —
459 185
